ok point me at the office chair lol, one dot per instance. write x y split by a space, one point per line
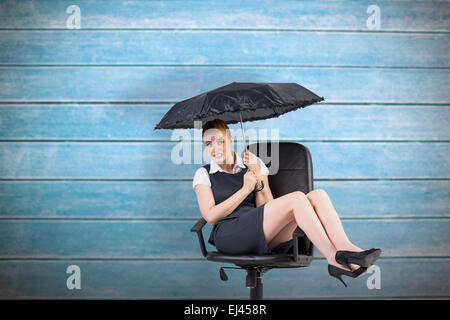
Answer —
295 173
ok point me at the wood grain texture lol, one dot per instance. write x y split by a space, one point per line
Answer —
431 16
151 199
236 48
170 83
85 180
173 239
136 122
138 160
400 278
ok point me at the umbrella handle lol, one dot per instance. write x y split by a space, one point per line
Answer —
242 130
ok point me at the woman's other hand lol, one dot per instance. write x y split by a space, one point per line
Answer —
250 180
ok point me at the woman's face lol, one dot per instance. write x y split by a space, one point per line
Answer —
218 146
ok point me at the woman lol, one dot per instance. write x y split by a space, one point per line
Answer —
248 220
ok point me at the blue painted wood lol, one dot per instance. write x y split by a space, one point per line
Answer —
153 200
157 84
136 160
112 122
173 239
340 15
200 280
243 48
117 85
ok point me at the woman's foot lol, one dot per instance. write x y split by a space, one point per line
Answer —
363 258
351 247
333 262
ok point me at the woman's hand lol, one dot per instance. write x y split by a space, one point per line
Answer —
251 162
250 180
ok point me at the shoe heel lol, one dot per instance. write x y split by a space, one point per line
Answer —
337 273
340 278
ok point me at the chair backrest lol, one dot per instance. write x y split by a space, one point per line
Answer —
294 171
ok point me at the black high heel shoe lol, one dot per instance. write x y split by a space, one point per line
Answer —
364 258
338 272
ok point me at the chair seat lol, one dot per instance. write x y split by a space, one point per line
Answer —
269 260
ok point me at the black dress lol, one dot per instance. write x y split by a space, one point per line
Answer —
241 232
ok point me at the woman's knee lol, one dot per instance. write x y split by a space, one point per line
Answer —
316 193
297 197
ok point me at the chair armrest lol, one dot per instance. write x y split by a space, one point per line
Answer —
298 233
198 229
198 225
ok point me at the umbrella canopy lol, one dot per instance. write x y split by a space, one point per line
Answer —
238 101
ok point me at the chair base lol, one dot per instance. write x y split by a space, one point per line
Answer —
253 281
257 265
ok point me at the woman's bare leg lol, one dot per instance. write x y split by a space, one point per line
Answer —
296 206
329 218
284 235
331 222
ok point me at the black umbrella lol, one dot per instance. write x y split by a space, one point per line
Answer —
239 102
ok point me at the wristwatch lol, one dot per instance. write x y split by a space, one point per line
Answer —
262 186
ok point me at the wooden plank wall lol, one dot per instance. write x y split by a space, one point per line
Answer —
86 181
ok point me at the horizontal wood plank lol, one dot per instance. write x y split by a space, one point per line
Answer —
399 278
336 15
155 200
336 122
173 239
340 160
236 48
171 84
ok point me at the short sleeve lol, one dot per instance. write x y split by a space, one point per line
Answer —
263 167
201 177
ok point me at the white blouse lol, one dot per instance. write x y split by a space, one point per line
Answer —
202 177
